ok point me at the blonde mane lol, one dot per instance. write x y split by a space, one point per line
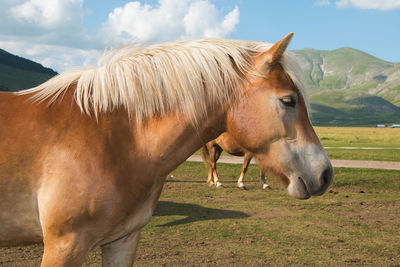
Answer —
164 77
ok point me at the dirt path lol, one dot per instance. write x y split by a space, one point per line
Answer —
387 165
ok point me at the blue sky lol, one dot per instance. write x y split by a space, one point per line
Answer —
70 33
323 26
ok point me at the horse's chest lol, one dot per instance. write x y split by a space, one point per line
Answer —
138 217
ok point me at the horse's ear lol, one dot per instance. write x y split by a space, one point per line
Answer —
275 53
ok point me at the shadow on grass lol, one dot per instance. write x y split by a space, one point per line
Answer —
193 212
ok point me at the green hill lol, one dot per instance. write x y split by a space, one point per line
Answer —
17 73
350 87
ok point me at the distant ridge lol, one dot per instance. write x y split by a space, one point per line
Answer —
350 87
18 73
22 63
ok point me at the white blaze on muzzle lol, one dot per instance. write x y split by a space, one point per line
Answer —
308 168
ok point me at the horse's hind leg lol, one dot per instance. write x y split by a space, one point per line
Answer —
121 252
217 150
214 154
263 182
210 169
246 162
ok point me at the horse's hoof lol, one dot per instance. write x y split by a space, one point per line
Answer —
219 185
241 186
265 186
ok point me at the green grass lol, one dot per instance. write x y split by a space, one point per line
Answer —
360 154
335 137
359 137
369 179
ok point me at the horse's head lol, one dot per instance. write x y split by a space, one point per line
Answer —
271 120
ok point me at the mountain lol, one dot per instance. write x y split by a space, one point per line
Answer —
350 87
17 73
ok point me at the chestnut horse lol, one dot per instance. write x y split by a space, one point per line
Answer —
211 152
84 156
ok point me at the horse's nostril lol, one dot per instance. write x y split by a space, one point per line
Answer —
326 176
326 179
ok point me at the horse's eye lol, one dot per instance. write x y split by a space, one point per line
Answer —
289 101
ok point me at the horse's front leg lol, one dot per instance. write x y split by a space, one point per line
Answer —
263 182
121 252
67 234
69 249
246 162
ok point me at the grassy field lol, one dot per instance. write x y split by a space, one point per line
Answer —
335 137
359 137
362 154
355 223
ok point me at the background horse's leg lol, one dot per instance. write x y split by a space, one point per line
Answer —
70 249
215 152
263 181
246 161
210 151
121 252
205 155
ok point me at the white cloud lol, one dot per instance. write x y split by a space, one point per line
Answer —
171 20
47 31
370 4
57 57
322 3
203 20
49 14
49 22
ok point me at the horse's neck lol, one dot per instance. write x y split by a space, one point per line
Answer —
171 140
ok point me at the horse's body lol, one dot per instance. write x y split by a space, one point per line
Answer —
211 152
75 180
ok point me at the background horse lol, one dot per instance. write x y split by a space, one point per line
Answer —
84 156
211 152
